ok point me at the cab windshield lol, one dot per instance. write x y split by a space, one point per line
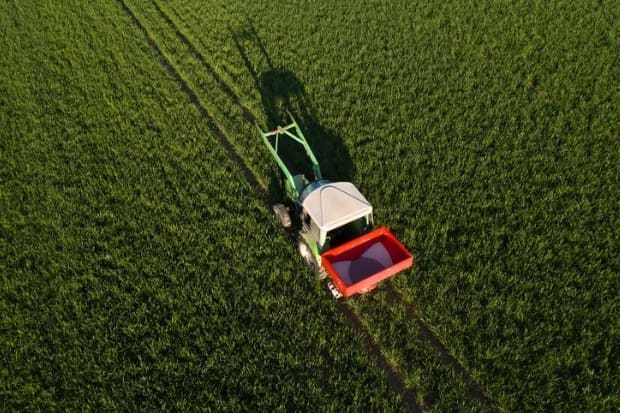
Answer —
349 231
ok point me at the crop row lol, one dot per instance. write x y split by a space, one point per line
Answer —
508 200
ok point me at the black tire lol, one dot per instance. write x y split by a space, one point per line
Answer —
307 255
282 214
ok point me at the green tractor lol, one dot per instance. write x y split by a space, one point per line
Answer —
336 237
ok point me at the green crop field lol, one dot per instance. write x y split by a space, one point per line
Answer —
141 266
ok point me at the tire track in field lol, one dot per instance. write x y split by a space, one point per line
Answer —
474 389
394 375
204 113
395 378
247 113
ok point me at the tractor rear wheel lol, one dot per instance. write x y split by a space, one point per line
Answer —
282 214
307 255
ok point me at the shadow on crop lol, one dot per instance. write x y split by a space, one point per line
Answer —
280 88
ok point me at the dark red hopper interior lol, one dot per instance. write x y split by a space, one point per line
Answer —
357 266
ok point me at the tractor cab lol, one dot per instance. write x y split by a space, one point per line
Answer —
333 213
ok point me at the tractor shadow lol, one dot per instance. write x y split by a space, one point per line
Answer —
281 89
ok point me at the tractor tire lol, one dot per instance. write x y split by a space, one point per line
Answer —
282 214
307 255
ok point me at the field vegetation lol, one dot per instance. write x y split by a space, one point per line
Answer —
566 50
135 250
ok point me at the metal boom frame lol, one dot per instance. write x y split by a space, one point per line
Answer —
294 184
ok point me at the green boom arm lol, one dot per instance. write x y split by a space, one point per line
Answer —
294 184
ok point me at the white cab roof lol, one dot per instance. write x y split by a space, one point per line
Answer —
336 204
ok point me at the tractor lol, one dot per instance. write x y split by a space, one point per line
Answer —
333 221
